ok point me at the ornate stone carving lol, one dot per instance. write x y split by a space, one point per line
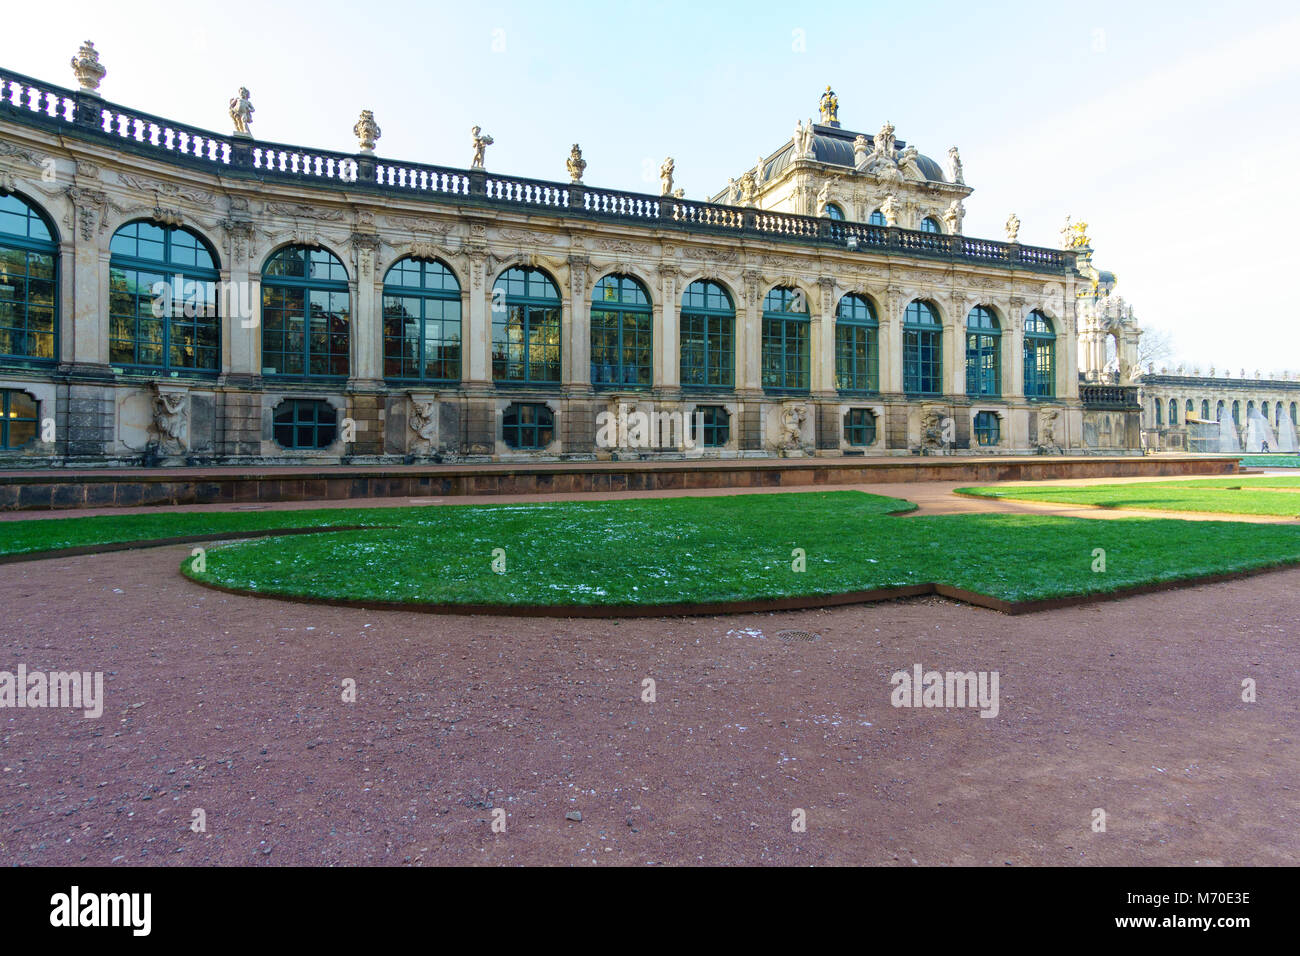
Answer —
241 112
666 176
575 164
164 188
367 132
87 67
423 422
793 416
168 216
861 151
423 250
416 224
1074 235
889 209
885 142
953 217
7 182
1048 422
624 246
1013 227
171 420
239 234
298 210
91 204
480 142
954 166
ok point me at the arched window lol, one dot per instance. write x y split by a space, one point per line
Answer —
304 423
1173 411
983 353
1205 409
786 330
1160 415
1250 408
833 211
857 346
930 224
527 425
306 315
708 328
17 419
860 427
922 350
988 428
525 328
714 423
1218 411
1277 413
877 219
1040 356
622 337
162 300
422 322
1263 410
1293 418
29 259
1236 413
1190 409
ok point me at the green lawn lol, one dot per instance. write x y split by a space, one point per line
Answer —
668 550
1276 496
1271 461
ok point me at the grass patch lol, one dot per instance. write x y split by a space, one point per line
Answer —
1271 496
670 550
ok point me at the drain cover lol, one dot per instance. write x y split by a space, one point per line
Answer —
791 636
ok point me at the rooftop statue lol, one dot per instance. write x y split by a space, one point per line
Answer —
830 107
88 68
954 166
576 164
889 209
1074 235
366 131
1013 227
241 112
803 140
885 141
666 177
953 217
481 143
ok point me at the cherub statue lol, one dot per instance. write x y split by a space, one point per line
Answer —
576 164
823 197
1013 227
885 141
169 420
666 177
241 111
424 422
481 143
792 419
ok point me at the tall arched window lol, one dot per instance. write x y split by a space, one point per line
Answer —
786 330
1236 413
1218 411
525 328
421 322
1277 413
922 350
1205 409
833 211
983 353
857 346
306 315
877 219
162 300
930 224
1190 409
1293 418
708 343
1160 415
1173 411
1040 356
622 336
29 258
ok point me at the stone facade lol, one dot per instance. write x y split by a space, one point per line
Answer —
1169 425
91 167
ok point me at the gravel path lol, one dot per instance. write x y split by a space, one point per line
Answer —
233 705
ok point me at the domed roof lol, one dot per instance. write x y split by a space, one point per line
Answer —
835 146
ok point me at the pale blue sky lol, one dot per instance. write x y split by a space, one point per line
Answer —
1170 128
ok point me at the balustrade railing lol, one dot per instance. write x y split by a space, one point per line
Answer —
1109 395
24 99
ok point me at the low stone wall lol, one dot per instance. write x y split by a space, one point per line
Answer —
189 486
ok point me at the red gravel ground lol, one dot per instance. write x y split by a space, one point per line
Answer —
233 705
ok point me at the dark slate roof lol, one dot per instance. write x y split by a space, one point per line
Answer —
835 146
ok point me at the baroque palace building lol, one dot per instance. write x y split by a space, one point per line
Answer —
170 294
